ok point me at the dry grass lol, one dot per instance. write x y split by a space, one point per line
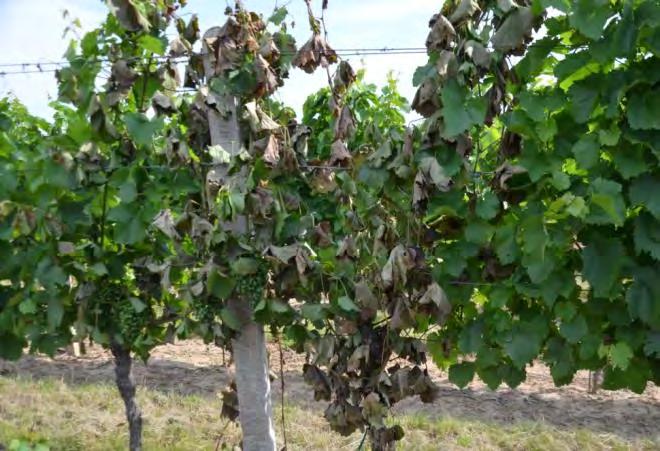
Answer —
90 417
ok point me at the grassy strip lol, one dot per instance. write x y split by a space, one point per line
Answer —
90 417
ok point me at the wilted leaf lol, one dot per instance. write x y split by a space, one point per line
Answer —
314 53
464 10
441 35
478 54
514 30
129 15
165 223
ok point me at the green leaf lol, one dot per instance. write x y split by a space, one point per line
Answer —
602 260
574 330
644 109
634 377
470 339
506 247
644 192
537 58
55 312
607 205
652 344
12 346
244 266
141 129
620 355
629 161
219 285
278 15
138 305
647 235
462 373
488 206
152 44
459 111
643 295
583 95
609 137
587 151
230 319
347 304
314 312
130 232
524 341
589 17
479 232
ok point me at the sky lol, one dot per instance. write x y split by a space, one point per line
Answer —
32 31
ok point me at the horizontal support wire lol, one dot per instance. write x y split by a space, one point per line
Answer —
44 67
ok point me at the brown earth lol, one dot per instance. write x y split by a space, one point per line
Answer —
191 367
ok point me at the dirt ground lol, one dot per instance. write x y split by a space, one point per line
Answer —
191 367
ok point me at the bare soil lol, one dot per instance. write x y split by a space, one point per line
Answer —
193 368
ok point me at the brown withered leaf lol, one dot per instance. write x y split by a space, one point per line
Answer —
373 410
464 145
402 314
267 81
169 77
294 253
165 223
429 175
322 235
505 172
436 304
516 28
339 154
344 77
323 181
427 98
268 49
162 103
316 52
230 407
176 150
395 271
190 31
343 417
495 96
442 33
180 47
122 74
319 381
128 15
258 120
269 147
447 65
345 124
510 144
408 143
347 248
99 120
478 54
366 300
360 353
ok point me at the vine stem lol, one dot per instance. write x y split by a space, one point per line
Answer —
104 208
279 345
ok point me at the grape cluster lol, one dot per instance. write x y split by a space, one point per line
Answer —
204 312
129 322
251 287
